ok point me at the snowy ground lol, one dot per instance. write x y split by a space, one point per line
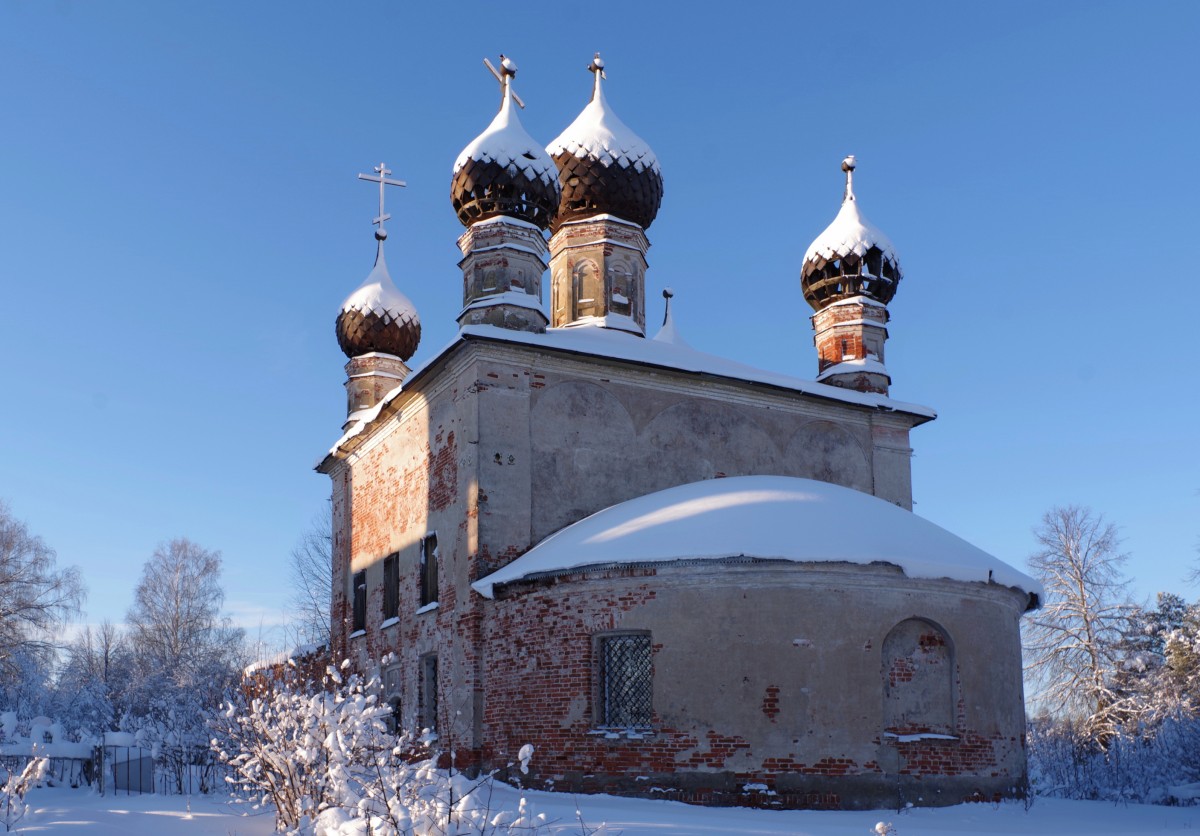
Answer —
65 811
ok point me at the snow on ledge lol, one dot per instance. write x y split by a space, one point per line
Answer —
913 738
858 366
740 517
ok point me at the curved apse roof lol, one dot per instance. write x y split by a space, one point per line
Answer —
770 517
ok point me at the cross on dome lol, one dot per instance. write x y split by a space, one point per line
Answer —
848 166
507 71
383 171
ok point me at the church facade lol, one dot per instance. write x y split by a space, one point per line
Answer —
671 573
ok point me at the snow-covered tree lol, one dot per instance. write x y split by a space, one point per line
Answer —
34 595
186 656
175 622
1073 643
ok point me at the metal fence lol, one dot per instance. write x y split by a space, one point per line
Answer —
117 770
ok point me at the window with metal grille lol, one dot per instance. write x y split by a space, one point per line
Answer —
391 586
626 679
429 692
429 570
360 600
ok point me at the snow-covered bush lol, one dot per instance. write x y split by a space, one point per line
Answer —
1149 763
16 784
319 750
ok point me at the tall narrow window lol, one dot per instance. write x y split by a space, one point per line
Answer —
391 586
626 680
391 693
429 570
360 601
429 692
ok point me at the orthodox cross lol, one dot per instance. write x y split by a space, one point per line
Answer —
508 69
383 171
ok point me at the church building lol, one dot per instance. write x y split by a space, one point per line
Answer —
673 574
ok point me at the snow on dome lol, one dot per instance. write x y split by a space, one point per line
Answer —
505 172
759 516
599 133
849 234
506 142
851 258
378 317
604 167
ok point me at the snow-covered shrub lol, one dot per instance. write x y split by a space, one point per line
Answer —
16 784
319 750
1149 762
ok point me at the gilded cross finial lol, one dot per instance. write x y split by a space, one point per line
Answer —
505 75
382 179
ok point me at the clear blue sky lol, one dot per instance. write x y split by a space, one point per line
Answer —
180 219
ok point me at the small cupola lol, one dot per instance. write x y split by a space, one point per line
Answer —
503 171
604 167
611 190
505 192
851 257
850 274
377 327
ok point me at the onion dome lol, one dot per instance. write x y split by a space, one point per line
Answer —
604 167
850 258
377 316
504 171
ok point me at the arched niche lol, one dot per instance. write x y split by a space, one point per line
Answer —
918 679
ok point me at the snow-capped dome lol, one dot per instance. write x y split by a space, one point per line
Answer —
604 167
377 316
767 517
850 258
505 172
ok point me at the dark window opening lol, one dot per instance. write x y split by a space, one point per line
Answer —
360 601
429 692
626 680
391 586
429 570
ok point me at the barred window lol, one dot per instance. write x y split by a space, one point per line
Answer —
391 586
360 601
626 679
429 570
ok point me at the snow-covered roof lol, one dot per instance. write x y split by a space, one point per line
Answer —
760 517
378 294
599 133
850 233
619 345
505 142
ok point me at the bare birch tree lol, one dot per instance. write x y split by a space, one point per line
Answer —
312 581
1073 643
34 595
